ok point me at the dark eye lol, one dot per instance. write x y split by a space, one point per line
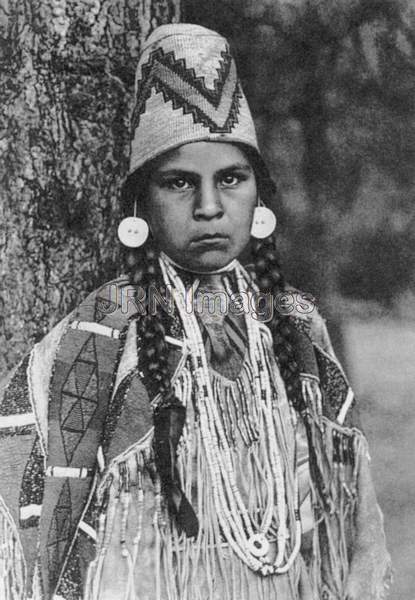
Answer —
230 180
179 183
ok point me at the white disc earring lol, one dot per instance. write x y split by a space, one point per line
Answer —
263 223
133 231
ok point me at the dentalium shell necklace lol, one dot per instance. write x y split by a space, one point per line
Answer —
247 540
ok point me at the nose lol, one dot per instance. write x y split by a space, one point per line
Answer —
208 203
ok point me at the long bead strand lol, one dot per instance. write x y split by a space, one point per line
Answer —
233 515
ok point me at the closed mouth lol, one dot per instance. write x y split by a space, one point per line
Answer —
209 236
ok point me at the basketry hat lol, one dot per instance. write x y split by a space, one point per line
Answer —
186 90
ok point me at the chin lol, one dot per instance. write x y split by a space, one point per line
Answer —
209 261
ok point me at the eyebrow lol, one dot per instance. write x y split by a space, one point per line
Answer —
239 166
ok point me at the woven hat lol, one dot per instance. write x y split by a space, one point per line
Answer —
187 89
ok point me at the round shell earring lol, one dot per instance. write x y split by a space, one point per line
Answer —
133 231
263 223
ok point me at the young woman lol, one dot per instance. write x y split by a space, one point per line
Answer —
171 439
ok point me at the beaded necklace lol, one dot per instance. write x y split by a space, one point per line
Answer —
248 540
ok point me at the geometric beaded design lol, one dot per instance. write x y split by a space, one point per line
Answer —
79 397
59 532
333 385
70 585
16 396
33 484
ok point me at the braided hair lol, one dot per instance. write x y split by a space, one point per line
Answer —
169 414
269 278
144 271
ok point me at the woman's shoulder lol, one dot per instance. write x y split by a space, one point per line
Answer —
114 301
107 310
303 308
92 331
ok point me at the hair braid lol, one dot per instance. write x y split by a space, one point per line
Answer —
269 278
169 414
145 274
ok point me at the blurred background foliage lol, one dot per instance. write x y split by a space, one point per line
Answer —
331 84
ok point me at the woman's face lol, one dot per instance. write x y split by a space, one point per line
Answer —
201 202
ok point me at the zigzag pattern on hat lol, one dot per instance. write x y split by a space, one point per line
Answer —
216 108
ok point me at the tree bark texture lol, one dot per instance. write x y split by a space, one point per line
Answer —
66 92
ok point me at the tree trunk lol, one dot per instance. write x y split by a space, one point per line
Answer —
66 91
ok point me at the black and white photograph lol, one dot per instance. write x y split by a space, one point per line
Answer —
207 299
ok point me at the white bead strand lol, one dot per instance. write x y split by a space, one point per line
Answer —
250 544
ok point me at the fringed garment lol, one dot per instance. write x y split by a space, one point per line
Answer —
82 513
137 524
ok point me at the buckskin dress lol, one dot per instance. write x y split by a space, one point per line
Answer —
82 511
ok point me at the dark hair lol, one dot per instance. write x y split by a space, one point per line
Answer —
144 271
135 188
